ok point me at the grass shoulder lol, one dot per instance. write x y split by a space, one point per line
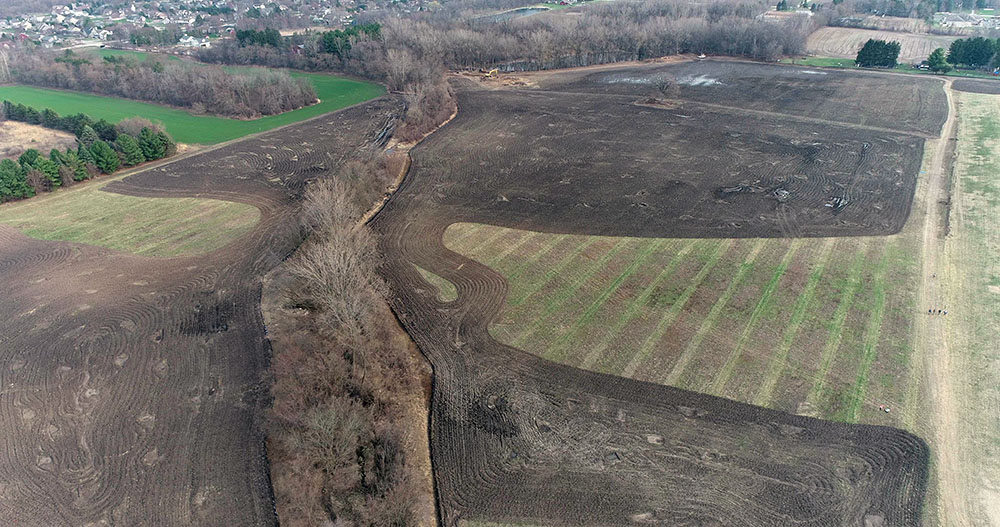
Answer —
829 62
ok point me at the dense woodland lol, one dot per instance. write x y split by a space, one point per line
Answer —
102 149
600 33
197 87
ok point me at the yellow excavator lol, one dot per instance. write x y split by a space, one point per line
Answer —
489 74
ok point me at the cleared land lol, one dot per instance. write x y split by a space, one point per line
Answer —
334 93
845 42
618 190
134 388
17 137
139 225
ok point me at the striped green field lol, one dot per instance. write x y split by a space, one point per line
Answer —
815 326
161 227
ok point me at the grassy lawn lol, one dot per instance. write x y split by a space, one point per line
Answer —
334 93
972 282
813 326
826 62
160 227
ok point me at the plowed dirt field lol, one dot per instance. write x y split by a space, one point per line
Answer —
691 150
132 387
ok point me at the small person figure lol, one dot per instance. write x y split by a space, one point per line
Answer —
881 407
930 311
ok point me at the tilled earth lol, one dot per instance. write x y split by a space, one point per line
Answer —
132 387
515 438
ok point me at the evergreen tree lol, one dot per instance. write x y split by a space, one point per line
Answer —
105 130
83 153
12 182
32 116
169 146
57 157
79 168
29 157
152 145
105 157
129 147
878 54
88 136
937 61
50 119
50 169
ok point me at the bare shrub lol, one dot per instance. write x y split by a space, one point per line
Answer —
133 126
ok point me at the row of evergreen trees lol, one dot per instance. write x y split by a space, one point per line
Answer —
975 53
878 54
96 153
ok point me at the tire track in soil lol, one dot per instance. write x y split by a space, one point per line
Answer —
516 438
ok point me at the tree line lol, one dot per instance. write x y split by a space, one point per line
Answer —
878 54
975 53
102 148
601 33
197 87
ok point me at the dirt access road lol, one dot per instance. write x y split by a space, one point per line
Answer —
964 492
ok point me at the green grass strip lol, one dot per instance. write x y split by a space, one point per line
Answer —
489 239
869 348
836 331
446 291
649 345
161 227
461 233
498 258
528 263
558 351
637 306
765 299
559 299
780 356
544 279
713 315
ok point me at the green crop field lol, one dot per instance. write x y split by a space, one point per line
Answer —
160 227
334 93
814 326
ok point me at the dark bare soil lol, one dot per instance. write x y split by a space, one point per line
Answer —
601 164
916 105
515 438
132 387
990 87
